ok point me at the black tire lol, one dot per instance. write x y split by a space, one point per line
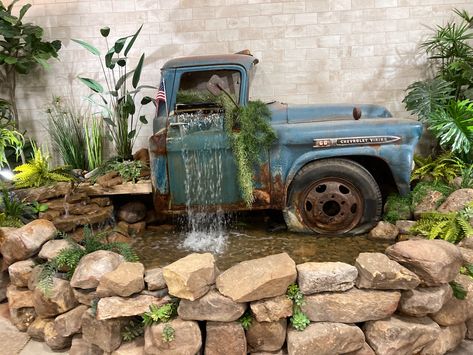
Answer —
333 196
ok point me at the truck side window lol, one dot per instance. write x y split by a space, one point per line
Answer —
196 106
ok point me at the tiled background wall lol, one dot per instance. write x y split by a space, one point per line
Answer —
313 51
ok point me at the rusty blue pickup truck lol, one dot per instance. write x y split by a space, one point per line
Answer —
329 169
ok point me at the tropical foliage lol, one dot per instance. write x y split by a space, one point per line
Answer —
443 168
117 100
22 50
9 138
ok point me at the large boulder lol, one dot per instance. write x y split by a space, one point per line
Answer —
36 329
116 307
325 339
448 339
24 242
132 212
213 306
351 306
225 338
398 335
53 339
20 272
70 323
125 280
187 338
106 334
266 336
315 277
429 203
272 309
456 311
376 270
456 201
190 277
259 278
154 279
435 261
93 266
56 300
424 300
384 231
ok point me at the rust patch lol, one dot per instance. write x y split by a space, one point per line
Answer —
157 142
261 197
278 192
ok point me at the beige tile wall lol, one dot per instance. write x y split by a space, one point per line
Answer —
312 51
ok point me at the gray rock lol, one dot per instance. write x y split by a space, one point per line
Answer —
70 323
429 203
424 300
456 201
315 277
465 348
352 306
448 339
20 272
57 300
325 339
405 226
257 279
24 242
93 266
435 261
266 336
213 306
272 309
117 307
234 342
154 279
384 231
187 338
125 280
190 277
377 271
52 248
398 335
106 334
132 212
86 297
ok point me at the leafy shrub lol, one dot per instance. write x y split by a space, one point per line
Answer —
129 170
397 207
443 168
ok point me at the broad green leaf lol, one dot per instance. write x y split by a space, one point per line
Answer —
131 134
122 79
105 31
131 108
146 100
23 11
137 74
92 84
132 41
10 60
143 119
119 44
8 18
108 57
87 46
109 121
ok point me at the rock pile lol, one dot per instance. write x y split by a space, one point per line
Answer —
394 303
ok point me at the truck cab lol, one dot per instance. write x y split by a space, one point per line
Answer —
328 170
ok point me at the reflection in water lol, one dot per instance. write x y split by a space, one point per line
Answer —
165 245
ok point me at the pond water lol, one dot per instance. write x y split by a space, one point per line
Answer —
245 240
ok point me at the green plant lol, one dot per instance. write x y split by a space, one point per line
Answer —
22 50
299 319
424 187
9 138
133 329
168 333
467 270
246 319
65 127
94 141
15 212
117 101
160 314
37 172
459 291
251 135
6 221
467 177
37 207
129 170
397 207
443 168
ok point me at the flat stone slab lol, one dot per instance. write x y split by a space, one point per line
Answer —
315 277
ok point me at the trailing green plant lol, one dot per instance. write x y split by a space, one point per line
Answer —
299 319
117 100
193 96
69 258
168 333
37 172
93 129
65 127
397 207
160 314
443 168
129 170
251 135
246 319
133 329
22 50
459 291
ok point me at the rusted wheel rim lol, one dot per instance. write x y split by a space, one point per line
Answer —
332 204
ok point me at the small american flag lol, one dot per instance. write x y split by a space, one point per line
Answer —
161 95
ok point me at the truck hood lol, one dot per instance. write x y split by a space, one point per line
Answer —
288 113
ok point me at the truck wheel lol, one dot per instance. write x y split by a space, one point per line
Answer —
333 196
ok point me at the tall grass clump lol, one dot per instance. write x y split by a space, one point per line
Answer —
93 129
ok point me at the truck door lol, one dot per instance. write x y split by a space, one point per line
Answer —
201 167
